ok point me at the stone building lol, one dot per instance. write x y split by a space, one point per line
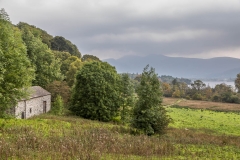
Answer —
39 102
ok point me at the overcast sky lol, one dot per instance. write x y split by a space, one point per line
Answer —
115 28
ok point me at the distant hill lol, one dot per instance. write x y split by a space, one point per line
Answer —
221 67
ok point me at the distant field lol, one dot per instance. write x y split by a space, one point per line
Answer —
216 106
205 121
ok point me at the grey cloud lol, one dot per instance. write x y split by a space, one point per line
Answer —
118 28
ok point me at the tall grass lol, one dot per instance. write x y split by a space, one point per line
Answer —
60 138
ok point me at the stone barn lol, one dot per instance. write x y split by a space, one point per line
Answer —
38 102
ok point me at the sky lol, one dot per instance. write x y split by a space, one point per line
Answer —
116 28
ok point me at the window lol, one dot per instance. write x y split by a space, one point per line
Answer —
30 110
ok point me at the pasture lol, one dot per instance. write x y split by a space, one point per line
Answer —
194 134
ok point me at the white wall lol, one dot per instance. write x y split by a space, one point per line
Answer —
34 104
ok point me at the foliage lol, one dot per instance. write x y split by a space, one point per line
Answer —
198 85
61 55
148 115
169 79
71 73
46 66
16 73
237 83
127 97
37 32
59 88
59 43
58 106
224 93
90 58
66 64
96 92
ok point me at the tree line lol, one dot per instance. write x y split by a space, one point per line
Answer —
200 91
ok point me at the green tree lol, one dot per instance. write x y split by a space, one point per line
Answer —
198 85
59 43
37 32
167 89
58 106
66 64
16 73
61 55
96 92
237 83
90 58
127 97
46 66
59 88
71 73
148 115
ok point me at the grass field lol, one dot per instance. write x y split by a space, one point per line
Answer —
194 134
205 120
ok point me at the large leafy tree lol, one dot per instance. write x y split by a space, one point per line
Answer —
61 44
16 73
46 66
96 92
71 73
127 97
59 88
66 64
148 115
37 32
90 58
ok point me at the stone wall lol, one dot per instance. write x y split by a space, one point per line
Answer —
33 106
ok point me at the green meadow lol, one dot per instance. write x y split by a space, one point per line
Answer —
193 134
214 122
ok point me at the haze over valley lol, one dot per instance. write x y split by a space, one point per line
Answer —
215 68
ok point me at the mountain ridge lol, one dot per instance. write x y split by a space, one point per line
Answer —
219 67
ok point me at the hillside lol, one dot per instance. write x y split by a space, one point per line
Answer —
193 134
221 67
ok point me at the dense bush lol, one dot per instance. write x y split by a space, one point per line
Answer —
96 94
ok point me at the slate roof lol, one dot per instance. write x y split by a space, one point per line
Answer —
37 91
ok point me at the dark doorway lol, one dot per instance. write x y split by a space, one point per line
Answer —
44 106
23 115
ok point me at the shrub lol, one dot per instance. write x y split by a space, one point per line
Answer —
58 106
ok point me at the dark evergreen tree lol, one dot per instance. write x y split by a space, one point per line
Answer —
148 115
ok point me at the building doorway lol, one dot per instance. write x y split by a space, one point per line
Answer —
44 106
23 115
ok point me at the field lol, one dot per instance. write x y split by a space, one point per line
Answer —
215 106
193 134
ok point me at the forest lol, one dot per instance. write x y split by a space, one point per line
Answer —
87 93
